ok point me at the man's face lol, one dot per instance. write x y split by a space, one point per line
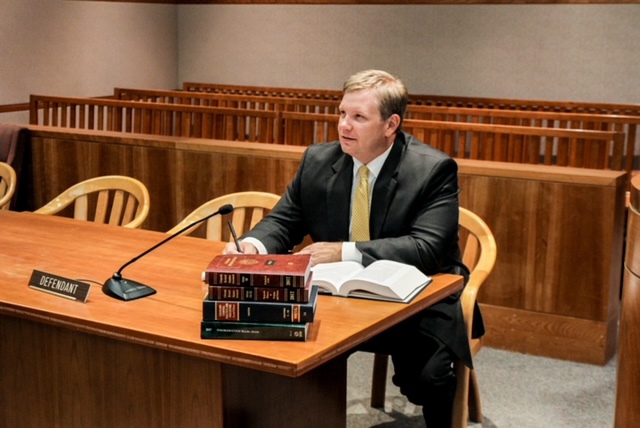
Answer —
363 133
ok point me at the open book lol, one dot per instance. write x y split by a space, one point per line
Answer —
381 280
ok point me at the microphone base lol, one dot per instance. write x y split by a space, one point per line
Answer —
126 289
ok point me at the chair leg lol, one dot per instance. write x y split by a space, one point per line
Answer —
379 380
475 406
460 409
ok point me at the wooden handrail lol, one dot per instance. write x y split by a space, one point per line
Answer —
14 108
427 99
329 94
230 100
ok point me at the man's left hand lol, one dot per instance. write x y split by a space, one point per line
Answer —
323 252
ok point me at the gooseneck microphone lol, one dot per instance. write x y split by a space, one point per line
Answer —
126 289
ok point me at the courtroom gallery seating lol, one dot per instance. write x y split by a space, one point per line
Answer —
7 185
111 199
302 118
479 254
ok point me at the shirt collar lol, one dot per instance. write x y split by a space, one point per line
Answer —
375 166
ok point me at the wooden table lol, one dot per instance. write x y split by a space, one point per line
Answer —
142 363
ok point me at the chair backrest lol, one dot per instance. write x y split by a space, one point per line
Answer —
249 209
7 185
479 252
111 199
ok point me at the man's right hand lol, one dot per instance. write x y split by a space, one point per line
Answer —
246 248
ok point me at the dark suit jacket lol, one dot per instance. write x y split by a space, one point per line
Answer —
414 218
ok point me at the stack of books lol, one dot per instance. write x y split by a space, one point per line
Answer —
258 297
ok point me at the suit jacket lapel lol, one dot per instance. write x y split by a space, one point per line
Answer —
339 196
385 188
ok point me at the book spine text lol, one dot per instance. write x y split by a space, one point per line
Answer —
270 312
258 294
252 331
254 279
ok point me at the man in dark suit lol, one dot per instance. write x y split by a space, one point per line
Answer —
413 218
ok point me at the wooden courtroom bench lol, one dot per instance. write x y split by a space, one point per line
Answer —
587 121
154 118
546 119
434 100
554 290
426 99
505 143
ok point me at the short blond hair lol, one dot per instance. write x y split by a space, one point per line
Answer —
392 94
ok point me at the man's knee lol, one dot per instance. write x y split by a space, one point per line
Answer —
423 378
438 372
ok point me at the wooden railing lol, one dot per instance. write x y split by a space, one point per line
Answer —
426 99
522 144
231 100
628 125
632 147
155 118
506 143
326 94
572 116
14 108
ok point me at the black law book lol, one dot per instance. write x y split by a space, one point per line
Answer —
260 312
254 331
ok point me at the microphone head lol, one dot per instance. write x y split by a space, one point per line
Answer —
226 209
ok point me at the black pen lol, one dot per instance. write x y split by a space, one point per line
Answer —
235 237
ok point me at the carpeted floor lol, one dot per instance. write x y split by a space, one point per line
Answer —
518 391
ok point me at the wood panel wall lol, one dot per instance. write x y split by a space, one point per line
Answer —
557 230
180 174
554 291
627 412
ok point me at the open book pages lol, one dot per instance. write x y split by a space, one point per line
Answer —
381 280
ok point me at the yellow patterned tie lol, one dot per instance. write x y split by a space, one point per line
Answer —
360 209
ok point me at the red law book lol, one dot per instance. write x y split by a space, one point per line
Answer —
259 270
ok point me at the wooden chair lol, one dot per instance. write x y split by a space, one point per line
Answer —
119 200
7 185
479 254
249 209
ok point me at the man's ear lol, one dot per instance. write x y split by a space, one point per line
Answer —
393 124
